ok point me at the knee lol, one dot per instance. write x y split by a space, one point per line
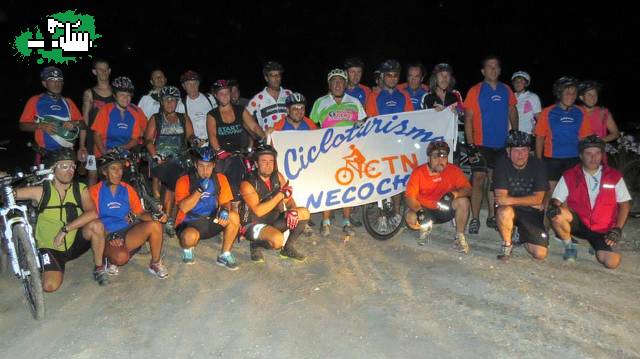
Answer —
50 286
303 213
610 260
189 238
277 240
154 227
119 257
94 228
539 254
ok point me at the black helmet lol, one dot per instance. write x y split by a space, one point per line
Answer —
353 62
390 66
62 154
220 84
591 141
440 146
442 67
294 99
51 73
272 66
189 75
169 92
263 149
518 139
109 158
587 85
122 84
205 154
563 83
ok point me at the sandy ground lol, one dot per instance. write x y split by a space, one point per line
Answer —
364 299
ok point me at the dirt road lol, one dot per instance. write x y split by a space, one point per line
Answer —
365 299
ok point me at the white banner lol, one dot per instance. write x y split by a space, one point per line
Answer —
349 166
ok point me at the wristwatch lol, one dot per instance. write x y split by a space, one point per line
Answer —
64 229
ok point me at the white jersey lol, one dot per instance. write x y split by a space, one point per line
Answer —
528 106
268 110
198 109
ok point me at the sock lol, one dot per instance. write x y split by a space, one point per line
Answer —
226 253
326 222
346 222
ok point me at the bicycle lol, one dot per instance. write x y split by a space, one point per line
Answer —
19 241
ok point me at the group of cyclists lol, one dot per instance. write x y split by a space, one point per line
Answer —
542 171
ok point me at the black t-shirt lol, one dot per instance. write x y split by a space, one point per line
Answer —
520 182
431 99
231 136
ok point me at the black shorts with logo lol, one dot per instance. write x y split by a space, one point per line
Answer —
580 230
53 260
205 226
491 156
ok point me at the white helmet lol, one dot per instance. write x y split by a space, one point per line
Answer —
337 72
522 74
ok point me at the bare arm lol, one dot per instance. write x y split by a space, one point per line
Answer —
252 125
150 136
97 139
503 198
413 204
513 117
614 133
539 146
252 199
29 193
188 203
87 103
623 213
212 131
88 215
188 127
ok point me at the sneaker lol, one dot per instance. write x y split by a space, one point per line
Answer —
101 276
159 270
111 268
227 260
256 253
492 223
505 252
348 230
325 231
187 256
396 220
292 253
308 231
570 252
474 226
170 228
461 241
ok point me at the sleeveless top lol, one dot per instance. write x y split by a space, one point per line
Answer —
231 136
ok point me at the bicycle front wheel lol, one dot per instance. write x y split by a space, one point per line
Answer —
380 221
31 281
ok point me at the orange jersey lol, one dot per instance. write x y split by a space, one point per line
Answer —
208 201
427 188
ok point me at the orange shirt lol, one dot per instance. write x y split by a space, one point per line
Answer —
182 192
428 188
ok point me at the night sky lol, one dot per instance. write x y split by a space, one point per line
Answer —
234 39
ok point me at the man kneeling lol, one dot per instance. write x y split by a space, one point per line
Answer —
127 225
519 184
591 201
263 214
203 198
436 193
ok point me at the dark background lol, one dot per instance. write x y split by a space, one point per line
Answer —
221 40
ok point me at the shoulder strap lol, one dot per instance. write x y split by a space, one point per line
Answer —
184 102
46 196
159 117
208 100
75 187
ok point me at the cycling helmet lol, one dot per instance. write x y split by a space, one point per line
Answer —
272 66
169 92
518 139
62 154
442 67
591 141
295 98
390 66
337 72
122 84
205 154
525 75
263 149
220 84
233 83
109 158
51 73
189 75
587 85
562 83
440 146
353 62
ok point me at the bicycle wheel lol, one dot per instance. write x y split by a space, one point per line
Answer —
631 175
32 283
377 221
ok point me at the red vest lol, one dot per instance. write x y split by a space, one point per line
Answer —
602 217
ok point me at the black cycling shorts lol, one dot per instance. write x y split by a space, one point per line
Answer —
234 169
53 260
168 173
252 230
439 216
580 230
205 226
530 223
491 156
557 166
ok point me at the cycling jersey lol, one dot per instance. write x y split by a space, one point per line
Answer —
416 95
117 128
361 92
114 208
197 109
427 188
209 201
453 97
231 136
562 130
44 105
268 110
305 125
386 102
528 106
490 113
170 136
56 213
326 112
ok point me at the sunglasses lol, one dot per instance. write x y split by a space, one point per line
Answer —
66 166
